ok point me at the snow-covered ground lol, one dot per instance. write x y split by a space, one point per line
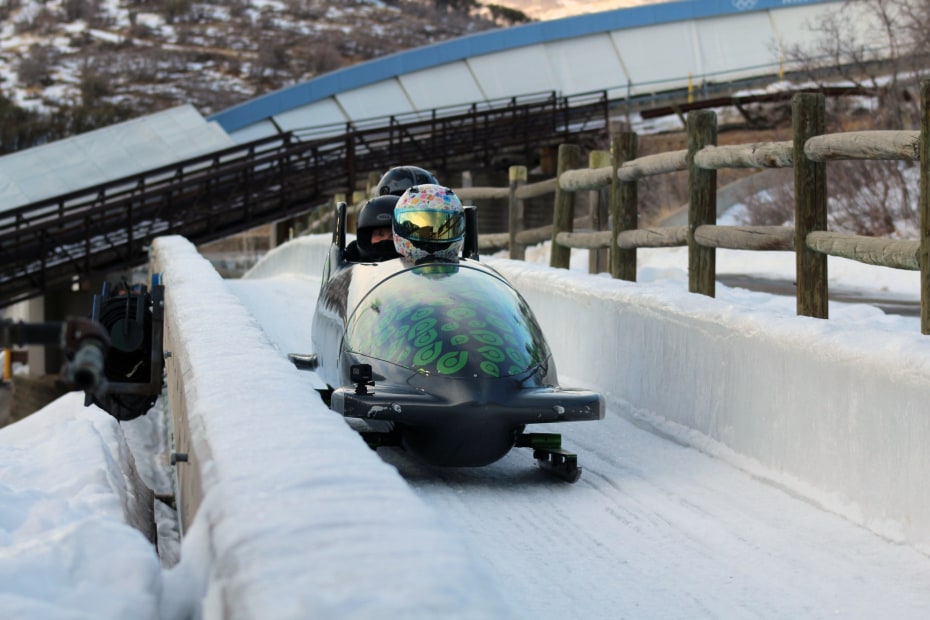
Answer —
655 527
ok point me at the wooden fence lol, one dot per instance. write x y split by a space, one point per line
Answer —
807 153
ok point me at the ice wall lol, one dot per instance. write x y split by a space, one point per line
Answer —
835 415
301 255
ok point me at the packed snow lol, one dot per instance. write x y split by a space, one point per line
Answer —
655 527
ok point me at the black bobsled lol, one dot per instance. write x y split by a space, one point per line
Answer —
446 356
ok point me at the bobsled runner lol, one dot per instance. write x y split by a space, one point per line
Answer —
443 355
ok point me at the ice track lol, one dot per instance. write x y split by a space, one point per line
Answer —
653 529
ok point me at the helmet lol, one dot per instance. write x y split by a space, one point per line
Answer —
376 213
429 221
396 180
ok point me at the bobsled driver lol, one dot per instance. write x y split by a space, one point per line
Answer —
374 241
397 180
429 223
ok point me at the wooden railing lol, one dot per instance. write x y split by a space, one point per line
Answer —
807 153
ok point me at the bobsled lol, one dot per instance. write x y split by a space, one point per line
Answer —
444 357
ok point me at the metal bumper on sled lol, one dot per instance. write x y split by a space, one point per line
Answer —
465 423
530 406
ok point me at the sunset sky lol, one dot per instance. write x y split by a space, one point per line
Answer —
554 9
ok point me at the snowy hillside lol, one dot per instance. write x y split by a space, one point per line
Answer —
213 55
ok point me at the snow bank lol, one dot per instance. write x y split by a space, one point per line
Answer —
68 488
287 513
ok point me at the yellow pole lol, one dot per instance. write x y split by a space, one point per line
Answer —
7 364
690 88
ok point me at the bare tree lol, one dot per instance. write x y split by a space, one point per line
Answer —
174 10
879 45
315 58
872 198
775 205
506 15
7 7
35 69
94 85
43 22
79 9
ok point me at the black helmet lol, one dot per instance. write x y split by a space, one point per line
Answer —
376 213
396 180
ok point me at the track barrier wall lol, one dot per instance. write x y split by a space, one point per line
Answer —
236 510
786 400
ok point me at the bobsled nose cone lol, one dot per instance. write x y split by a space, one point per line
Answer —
467 446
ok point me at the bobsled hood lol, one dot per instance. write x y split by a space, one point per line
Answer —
454 320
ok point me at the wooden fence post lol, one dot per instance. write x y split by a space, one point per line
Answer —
810 205
925 207
518 175
359 197
371 187
702 205
564 212
598 203
624 206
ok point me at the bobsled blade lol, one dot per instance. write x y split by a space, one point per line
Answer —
549 455
560 463
304 361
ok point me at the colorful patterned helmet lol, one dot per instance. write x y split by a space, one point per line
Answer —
396 180
429 221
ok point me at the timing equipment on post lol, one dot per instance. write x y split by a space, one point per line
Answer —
84 342
133 317
116 356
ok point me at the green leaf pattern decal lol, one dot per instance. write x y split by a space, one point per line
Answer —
467 324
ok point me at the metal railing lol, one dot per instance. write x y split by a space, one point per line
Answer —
46 244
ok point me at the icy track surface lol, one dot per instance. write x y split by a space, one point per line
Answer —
653 529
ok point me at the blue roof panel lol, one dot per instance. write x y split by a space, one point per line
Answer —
479 44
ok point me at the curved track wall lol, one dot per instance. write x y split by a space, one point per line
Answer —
627 52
